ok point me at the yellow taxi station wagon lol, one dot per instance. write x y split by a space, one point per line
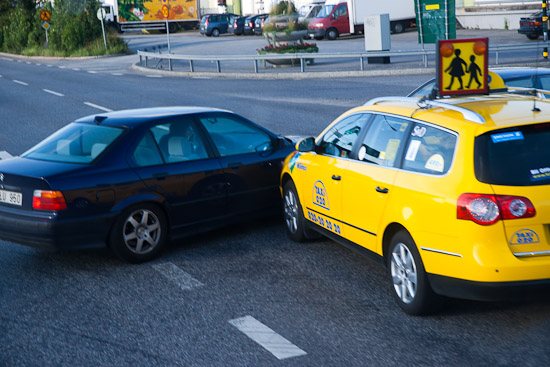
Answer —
452 196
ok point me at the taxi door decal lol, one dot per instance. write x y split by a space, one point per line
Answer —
320 195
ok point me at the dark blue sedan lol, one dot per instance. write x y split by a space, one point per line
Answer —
133 179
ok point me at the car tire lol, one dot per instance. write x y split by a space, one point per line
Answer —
398 27
318 38
173 27
293 214
411 288
139 233
533 37
332 34
215 32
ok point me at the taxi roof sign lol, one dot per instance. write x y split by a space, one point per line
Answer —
462 66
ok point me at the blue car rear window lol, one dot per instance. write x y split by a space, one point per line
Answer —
75 143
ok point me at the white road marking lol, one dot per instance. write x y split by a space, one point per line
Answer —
54 93
76 69
153 76
28 62
178 276
117 74
49 66
98 107
62 67
267 338
5 155
5 58
20 82
92 71
37 64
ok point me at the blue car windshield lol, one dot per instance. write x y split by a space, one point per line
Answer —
75 143
326 11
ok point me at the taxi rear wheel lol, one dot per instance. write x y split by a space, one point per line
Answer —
411 288
294 216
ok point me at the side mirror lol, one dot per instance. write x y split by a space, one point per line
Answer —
306 145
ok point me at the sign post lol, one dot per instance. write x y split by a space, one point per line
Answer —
165 14
45 16
101 15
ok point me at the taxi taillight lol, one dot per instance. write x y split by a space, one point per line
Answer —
489 209
48 200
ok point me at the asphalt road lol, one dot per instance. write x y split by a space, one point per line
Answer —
241 296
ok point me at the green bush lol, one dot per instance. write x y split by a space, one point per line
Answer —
283 7
75 29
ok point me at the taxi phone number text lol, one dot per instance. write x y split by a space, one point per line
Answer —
316 218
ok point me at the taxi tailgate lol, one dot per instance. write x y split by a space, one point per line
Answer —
529 237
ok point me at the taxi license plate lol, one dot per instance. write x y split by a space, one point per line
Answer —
10 197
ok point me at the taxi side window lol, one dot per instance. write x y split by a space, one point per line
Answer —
382 140
339 140
430 150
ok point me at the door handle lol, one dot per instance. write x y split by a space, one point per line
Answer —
161 175
382 190
336 178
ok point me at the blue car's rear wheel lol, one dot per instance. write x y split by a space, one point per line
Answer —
139 233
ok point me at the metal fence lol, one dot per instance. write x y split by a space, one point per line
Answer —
146 58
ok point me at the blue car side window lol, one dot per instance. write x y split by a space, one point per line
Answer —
147 153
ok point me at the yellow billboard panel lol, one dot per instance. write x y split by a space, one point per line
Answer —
152 10
463 66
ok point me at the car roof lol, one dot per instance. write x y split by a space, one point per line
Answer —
133 117
507 73
482 113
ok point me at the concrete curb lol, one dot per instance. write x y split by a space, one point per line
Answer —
306 75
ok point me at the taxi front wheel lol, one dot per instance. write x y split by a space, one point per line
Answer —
294 216
412 290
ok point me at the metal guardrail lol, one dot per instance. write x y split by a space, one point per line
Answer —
303 58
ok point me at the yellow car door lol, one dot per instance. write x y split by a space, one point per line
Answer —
369 178
324 184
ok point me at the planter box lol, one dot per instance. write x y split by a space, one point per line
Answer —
273 38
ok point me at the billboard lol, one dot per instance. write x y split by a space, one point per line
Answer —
151 10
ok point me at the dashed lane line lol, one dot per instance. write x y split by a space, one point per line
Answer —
98 107
185 281
267 338
20 82
117 74
76 69
153 76
54 93
92 71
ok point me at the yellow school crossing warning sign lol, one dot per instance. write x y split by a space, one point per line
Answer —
463 66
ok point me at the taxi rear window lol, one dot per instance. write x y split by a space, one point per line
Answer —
517 156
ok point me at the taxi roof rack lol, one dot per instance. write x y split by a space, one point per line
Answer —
428 104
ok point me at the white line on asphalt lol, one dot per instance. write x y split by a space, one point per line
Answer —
20 82
54 93
28 62
62 67
5 58
267 338
117 74
178 276
153 76
98 107
5 155
1 76
76 69
92 71
49 66
37 64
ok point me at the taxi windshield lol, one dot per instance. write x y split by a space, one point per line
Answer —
325 11
75 143
518 156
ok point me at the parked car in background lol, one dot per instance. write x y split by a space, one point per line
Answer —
259 24
249 23
215 24
531 26
133 179
236 25
537 78
309 11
